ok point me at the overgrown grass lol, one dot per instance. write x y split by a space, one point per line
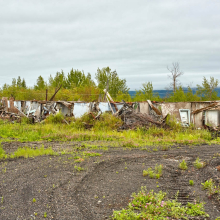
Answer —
105 122
30 152
104 129
155 206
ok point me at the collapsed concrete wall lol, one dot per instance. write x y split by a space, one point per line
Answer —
207 115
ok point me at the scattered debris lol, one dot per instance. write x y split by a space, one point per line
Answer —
206 108
215 132
9 116
142 114
133 119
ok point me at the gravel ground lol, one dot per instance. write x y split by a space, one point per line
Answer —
49 185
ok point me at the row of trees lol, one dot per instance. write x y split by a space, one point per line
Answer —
77 85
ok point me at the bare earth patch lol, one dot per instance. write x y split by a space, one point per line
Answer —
51 184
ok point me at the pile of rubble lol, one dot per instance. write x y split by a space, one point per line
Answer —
38 111
9 116
5 115
133 119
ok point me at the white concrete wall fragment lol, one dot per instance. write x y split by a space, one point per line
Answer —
104 106
212 118
17 104
80 109
144 108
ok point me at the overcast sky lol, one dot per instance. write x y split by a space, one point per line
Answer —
137 38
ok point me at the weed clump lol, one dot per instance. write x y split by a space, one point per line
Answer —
45 214
156 173
211 187
208 184
191 182
198 164
183 165
2 153
78 168
151 205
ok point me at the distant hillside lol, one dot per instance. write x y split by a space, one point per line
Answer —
164 93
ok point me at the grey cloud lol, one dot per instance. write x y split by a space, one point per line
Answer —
137 38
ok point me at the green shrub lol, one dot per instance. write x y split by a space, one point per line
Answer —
78 123
55 119
107 122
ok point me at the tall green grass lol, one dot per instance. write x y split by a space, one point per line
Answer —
105 122
104 129
55 119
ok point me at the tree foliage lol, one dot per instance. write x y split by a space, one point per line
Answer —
115 84
41 84
146 93
80 86
23 84
58 80
76 78
19 82
207 90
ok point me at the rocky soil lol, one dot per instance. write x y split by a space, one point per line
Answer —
50 186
